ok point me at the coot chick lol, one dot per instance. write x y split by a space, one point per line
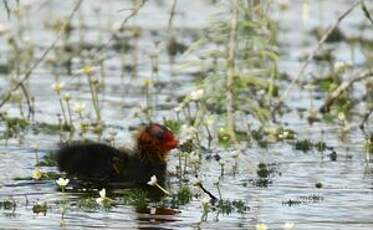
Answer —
103 163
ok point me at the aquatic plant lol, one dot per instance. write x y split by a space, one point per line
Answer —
37 174
103 200
9 204
303 145
62 183
40 208
154 182
205 202
246 83
261 227
137 198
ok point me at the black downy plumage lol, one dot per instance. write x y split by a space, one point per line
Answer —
103 163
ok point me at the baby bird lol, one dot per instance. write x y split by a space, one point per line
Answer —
103 163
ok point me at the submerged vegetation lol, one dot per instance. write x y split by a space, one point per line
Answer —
225 92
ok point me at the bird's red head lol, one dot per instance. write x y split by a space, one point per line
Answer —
155 141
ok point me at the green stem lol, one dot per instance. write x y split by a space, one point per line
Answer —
231 72
63 110
162 189
94 100
69 112
219 192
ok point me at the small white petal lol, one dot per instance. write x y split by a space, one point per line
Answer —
99 200
210 120
206 200
309 87
339 65
57 87
177 109
37 174
235 154
3 29
62 182
288 226
153 211
153 180
116 26
197 94
196 181
261 227
102 193
341 116
79 107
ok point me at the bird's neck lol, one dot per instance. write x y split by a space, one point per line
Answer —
151 154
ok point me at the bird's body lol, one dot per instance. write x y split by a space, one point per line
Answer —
104 163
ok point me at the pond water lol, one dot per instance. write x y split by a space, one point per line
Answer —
345 200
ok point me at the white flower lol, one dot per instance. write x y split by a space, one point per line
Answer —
100 201
116 26
27 39
194 158
196 181
103 200
221 162
306 11
197 94
177 109
153 211
206 200
235 154
37 174
283 2
62 182
153 181
67 97
210 120
309 87
102 193
288 226
187 132
88 70
339 65
283 134
188 129
261 227
261 92
341 116
35 146
3 29
148 82
57 87
79 107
